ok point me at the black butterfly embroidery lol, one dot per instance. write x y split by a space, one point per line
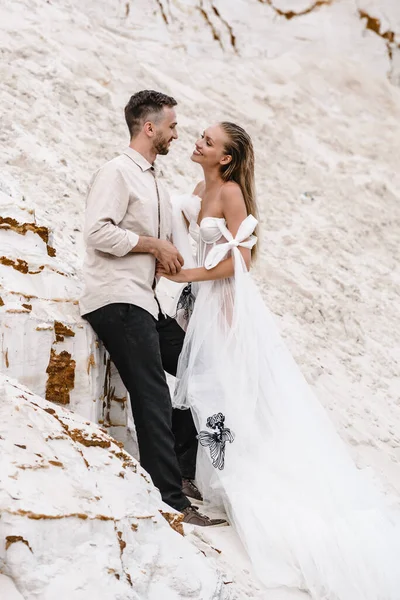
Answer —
186 302
216 440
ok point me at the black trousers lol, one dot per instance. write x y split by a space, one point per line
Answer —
141 349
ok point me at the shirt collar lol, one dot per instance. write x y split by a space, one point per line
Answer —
138 158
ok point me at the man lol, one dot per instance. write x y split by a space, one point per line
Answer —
127 229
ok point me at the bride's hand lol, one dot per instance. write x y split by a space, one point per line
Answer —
181 277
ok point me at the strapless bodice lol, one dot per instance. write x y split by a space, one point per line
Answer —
208 231
206 235
212 238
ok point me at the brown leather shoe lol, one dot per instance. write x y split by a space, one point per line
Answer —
192 516
190 489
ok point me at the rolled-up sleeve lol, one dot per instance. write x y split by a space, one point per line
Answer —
106 205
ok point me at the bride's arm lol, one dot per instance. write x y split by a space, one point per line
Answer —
234 211
223 270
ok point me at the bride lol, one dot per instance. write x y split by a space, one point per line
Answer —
268 451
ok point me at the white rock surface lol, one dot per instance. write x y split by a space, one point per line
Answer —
8 589
315 90
44 342
41 330
80 518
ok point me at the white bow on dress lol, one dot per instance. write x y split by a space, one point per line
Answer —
244 238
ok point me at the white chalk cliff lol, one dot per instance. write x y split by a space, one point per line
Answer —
316 83
80 518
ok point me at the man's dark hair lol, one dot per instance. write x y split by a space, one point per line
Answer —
141 105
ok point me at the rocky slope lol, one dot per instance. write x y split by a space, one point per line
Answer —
80 518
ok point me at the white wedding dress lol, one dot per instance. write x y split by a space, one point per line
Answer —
306 515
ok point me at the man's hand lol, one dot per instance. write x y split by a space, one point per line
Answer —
165 253
168 257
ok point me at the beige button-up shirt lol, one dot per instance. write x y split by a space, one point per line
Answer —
121 205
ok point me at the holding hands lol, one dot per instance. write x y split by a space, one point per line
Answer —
169 259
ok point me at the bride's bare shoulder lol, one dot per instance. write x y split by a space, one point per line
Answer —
199 189
233 204
230 187
232 192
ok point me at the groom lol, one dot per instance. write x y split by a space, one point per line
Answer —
128 229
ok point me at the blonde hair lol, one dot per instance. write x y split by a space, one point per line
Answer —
241 168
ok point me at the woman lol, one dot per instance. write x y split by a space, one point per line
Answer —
307 517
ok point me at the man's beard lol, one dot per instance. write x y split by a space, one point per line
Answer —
161 145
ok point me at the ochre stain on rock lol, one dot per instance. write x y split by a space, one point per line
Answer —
127 460
18 265
122 543
130 464
214 32
85 461
13 539
40 516
30 296
174 520
290 14
61 377
62 331
121 399
22 228
77 436
91 363
232 36
56 463
113 572
375 25
35 467
22 266
163 13
145 478
109 394
26 296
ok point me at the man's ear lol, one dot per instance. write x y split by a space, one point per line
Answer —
225 160
148 128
